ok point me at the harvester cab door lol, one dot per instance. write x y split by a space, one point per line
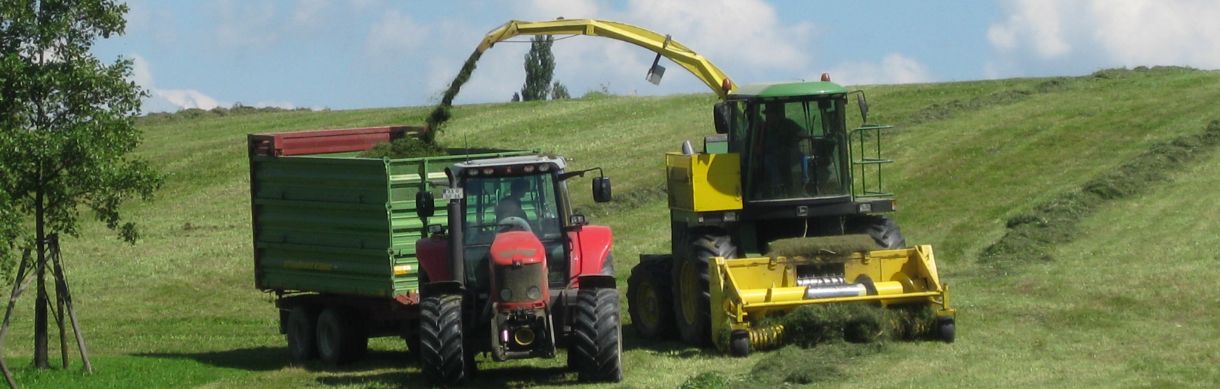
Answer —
794 150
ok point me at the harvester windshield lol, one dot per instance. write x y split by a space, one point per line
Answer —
794 150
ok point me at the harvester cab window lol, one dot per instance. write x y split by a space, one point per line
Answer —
794 150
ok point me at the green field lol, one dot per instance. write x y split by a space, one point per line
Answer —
1128 300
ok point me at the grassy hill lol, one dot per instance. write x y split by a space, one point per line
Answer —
1126 299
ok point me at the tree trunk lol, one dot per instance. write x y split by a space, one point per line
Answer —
40 304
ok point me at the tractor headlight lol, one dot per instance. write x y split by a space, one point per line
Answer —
533 293
506 294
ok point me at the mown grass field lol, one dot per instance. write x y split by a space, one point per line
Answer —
1129 301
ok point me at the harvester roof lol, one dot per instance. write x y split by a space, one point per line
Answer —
788 89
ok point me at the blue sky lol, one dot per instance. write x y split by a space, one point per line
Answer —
343 54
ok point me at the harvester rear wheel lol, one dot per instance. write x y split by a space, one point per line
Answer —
442 354
596 347
340 339
882 229
302 343
650 297
690 287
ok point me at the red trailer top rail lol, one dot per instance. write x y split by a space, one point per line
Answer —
327 141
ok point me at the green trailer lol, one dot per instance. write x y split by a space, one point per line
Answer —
334 235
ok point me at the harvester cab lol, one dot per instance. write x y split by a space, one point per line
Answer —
515 270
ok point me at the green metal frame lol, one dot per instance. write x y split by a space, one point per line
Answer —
862 157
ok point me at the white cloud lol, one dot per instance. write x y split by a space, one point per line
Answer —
246 24
395 36
166 100
893 69
1106 33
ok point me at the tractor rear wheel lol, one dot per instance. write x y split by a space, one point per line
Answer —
340 339
442 354
690 284
650 297
596 346
302 343
882 229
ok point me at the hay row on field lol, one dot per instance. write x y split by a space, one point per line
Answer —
827 249
1031 235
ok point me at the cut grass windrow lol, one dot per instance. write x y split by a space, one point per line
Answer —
1031 235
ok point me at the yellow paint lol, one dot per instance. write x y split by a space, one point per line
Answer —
704 182
402 270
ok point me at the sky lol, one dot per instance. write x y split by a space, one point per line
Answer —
347 54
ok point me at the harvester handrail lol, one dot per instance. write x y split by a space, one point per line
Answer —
698 65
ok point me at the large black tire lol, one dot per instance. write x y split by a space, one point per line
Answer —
882 229
650 297
596 346
340 339
442 354
302 343
690 284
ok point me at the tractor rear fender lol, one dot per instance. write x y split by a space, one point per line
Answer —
433 257
590 250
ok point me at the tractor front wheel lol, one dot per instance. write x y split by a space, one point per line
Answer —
596 348
650 297
442 354
690 284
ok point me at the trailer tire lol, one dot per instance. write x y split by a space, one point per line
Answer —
300 333
691 310
596 346
340 340
442 352
650 297
882 229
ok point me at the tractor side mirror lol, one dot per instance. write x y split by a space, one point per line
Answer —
863 103
601 189
721 113
425 204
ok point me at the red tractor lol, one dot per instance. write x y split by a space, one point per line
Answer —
515 273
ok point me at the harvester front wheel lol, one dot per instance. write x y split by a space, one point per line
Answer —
882 229
690 285
302 343
650 297
596 348
340 339
442 354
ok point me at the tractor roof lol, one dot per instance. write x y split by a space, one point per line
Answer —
507 161
789 89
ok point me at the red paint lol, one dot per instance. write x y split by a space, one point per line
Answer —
433 255
590 247
327 141
518 248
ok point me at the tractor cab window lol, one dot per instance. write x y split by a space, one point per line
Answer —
793 149
500 203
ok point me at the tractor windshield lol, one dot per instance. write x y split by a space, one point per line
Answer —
794 149
523 202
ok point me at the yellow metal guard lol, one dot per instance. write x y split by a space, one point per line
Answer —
746 290
704 182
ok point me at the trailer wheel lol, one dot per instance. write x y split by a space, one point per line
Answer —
882 229
690 284
302 344
596 346
340 339
442 354
650 297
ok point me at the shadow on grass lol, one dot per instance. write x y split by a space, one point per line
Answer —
675 347
493 377
275 358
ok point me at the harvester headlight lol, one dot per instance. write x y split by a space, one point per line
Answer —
533 293
506 294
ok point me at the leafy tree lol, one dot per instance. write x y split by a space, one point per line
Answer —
539 68
559 92
67 124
